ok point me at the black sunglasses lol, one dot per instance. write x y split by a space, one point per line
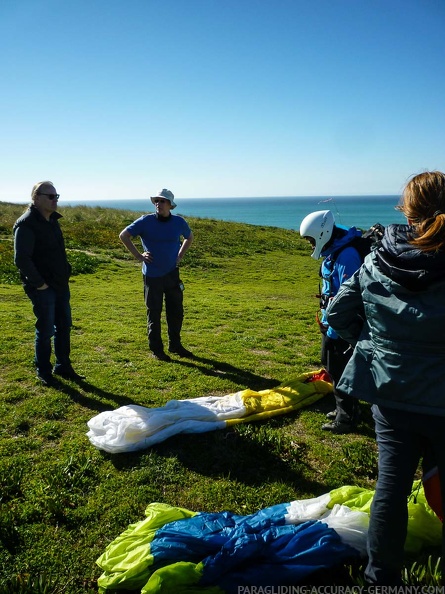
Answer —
161 200
50 196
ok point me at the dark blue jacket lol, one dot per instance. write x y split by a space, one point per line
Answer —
39 250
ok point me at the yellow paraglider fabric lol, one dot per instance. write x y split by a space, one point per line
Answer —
133 427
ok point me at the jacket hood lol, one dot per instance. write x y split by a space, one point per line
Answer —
405 264
350 233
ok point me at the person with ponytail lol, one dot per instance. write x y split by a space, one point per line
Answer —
393 312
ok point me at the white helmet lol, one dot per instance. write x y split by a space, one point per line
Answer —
318 227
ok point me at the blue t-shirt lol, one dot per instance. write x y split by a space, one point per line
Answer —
162 239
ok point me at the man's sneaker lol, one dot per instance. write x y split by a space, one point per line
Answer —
332 415
160 356
69 374
336 427
47 380
181 351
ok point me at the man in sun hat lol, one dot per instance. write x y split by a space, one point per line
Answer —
165 240
167 195
40 256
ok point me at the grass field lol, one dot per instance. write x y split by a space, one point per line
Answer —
250 320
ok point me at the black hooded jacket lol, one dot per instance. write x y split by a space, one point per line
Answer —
39 250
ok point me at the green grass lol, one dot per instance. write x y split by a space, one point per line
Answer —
250 319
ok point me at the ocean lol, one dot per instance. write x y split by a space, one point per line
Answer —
284 212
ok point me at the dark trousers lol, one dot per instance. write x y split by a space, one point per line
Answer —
335 353
53 319
402 438
155 290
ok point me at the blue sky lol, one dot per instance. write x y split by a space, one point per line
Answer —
114 99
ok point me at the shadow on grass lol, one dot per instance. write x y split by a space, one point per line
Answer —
246 460
86 395
239 376
229 453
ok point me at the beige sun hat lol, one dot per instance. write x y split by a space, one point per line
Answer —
167 195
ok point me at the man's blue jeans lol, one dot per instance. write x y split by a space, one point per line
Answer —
402 438
53 319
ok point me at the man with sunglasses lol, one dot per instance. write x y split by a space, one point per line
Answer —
40 256
161 235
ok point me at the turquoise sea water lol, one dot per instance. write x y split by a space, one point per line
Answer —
283 212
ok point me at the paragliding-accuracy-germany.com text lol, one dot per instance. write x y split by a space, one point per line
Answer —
341 589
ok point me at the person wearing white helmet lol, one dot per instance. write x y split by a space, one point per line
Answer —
165 240
318 228
334 243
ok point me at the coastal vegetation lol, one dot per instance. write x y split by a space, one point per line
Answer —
250 320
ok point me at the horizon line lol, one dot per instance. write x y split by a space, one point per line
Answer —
326 196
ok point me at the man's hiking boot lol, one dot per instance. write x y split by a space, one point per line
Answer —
161 356
181 351
339 428
332 415
69 374
48 380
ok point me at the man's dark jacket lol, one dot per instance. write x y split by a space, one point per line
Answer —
39 250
